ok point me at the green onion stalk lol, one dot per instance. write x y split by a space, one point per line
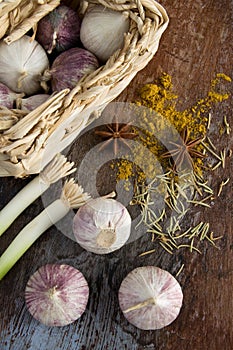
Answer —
72 197
58 168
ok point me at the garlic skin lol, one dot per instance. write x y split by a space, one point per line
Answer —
102 225
21 65
102 31
150 298
7 96
56 295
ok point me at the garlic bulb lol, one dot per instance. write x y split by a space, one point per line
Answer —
150 298
56 295
102 31
69 67
59 30
21 64
102 225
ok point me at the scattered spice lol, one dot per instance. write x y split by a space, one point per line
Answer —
125 169
182 187
227 125
180 270
163 133
222 184
116 132
161 112
184 151
148 252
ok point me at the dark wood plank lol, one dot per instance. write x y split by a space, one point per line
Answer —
196 46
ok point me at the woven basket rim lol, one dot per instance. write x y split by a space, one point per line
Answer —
24 143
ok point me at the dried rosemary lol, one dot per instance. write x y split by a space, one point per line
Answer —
182 190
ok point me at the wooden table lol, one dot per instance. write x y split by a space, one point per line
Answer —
197 45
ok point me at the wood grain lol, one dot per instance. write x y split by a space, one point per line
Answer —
197 45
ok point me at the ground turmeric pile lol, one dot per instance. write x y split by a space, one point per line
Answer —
160 115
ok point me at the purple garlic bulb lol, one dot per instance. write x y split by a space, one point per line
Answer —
59 30
56 295
102 225
150 298
70 66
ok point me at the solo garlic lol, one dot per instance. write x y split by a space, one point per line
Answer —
102 31
56 295
69 67
150 298
102 225
59 30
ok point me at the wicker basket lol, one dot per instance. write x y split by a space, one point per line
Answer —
29 141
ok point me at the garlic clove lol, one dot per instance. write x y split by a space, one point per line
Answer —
56 295
150 298
102 225
102 31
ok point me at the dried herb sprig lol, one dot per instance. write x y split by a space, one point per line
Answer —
179 197
227 125
167 230
222 184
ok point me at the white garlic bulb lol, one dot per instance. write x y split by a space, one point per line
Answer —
21 64
102 31
150 298
102 225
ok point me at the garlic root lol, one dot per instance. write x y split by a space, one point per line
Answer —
150 301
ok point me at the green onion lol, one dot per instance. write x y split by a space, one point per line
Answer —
59 167
72 197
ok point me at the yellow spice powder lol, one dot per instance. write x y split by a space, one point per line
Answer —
160 112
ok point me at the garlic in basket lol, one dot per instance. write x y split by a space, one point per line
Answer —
59 30
102 31
69 67
102 225
150 298
21 64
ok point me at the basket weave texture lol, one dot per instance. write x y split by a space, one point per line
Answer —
30 141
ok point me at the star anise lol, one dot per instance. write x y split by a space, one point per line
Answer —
183 151
116 132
